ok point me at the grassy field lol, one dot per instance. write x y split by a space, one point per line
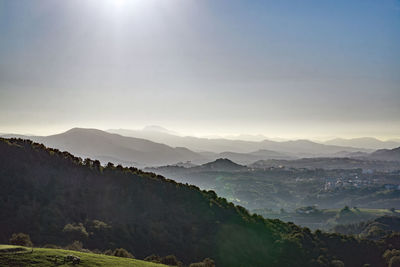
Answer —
47 257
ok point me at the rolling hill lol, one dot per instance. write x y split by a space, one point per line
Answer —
220 165
386 154
50 257
115 148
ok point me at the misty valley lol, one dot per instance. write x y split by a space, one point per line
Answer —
289 193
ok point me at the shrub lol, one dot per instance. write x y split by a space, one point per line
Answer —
121 252
153 258
207 262
21 239
394 262
108 252
170 260
76 245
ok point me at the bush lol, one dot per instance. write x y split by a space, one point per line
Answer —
21 239
108 252
394 262
170 260
153 258
207 262
121 252
76 245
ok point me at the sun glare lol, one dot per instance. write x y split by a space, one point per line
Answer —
119 3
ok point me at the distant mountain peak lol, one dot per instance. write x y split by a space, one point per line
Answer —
78 130
224 160
157 128
222 164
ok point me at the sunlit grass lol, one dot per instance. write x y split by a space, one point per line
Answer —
47 257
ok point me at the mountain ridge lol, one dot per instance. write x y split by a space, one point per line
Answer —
365 142
220 145
113 147
96 143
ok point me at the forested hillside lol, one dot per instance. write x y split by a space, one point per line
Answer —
58 198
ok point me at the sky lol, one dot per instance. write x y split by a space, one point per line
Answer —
289 69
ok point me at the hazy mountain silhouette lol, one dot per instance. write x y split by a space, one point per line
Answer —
124 150
364 142
296 148
307 148
116 148
386 154
164 148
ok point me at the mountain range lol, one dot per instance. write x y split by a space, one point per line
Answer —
294 148
154 146
365 142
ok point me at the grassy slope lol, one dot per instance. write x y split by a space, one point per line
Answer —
46 257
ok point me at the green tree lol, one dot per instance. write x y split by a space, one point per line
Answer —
21 239
75 231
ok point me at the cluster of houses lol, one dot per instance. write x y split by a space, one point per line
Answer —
342 182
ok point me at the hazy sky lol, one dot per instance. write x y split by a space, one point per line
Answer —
309 68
